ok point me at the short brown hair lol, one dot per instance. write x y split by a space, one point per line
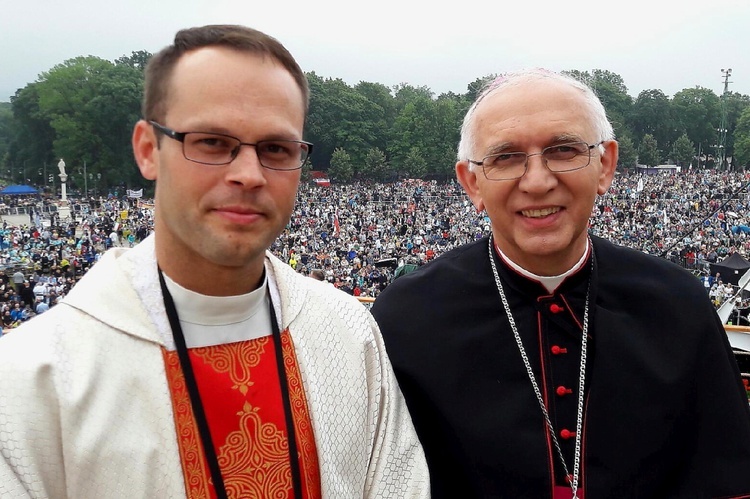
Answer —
160 66
318 274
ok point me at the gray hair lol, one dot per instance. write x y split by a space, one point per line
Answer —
602 126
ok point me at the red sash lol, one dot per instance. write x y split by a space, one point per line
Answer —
241 395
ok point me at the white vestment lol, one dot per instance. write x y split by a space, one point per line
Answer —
85 409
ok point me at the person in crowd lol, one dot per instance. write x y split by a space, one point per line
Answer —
197 364
27 293
543 362
41 306
18 280
8 320
16 313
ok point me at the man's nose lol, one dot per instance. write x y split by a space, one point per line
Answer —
537 176
246 167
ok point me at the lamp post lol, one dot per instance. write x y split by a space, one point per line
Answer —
721 153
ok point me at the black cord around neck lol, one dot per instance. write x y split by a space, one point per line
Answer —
192 386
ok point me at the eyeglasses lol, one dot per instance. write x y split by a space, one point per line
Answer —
558 159
220 149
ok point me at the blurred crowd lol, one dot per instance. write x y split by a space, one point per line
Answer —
42 259
361 236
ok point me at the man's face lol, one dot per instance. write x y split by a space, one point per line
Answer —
214 219
539 221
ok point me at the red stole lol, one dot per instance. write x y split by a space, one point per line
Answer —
241 396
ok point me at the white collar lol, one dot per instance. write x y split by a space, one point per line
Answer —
549 282
219 320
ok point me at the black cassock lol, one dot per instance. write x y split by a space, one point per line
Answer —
665 413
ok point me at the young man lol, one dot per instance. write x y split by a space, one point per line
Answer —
196 364
544 363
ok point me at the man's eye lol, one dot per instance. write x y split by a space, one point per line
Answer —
565 151
505 159
570 149
213 142
277 148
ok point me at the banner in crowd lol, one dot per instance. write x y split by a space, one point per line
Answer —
320 178
135 194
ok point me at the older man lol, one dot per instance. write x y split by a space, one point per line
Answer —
541 362
196 364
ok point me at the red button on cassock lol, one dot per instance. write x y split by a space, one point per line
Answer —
561 390
556 350
566 434
555 308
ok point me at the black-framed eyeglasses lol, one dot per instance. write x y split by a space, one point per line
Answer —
559 158
219 149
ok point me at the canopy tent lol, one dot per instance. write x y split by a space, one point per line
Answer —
19 190
732 268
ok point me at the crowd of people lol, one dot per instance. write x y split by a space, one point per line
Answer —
40 261
360 235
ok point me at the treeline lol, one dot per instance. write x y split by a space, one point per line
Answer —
83 111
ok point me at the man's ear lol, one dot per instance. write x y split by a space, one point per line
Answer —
146 149
467 177
609 164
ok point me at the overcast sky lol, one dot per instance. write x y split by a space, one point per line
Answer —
444 45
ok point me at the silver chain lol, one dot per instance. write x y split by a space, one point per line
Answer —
532 378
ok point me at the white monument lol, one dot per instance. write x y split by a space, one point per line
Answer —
63 209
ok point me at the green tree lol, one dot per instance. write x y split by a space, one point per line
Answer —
137 60
612 92
380 107
405 94
742 140
375 165
341 168
735 104
6 133
474 88
340 116
697 113
683 151
628 154
652 115
92 105
611 89
431 126
416 165
410 131
447 117
32 135
648 152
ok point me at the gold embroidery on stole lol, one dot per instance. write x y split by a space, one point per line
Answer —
254 458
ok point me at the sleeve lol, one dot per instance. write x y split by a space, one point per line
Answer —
397 463
720 461
30 450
